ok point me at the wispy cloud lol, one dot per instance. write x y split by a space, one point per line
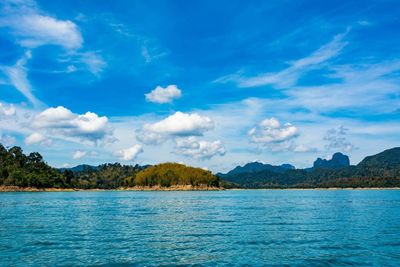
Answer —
367 88
94 62
289 76
17 76
33 29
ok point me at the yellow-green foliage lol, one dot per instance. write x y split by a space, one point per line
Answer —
169 174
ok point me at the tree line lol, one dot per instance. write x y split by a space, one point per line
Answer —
18 169
380 170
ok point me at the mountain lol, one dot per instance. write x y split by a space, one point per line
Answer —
388 159
256 167
380 170
338 161
79 168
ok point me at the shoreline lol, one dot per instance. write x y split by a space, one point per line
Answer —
174 188
136 188
321 188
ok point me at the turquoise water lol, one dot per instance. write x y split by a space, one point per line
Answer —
228 228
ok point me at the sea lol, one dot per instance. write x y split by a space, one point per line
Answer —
201 228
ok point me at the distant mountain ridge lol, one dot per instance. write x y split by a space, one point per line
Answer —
380 170
338 160
388 159
79 168
257 166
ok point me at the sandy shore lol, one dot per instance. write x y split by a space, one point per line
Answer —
136 188
33 189
172 188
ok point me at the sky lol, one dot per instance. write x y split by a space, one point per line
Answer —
213 84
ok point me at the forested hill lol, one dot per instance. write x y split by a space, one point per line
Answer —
381 170
173 174
18 169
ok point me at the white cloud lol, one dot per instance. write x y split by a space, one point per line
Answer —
289 76
79 154
7 110
32 29
17 76
271 131
177 125
61 121
151 53
191 147
36 138
366 88
304 148
146 54
94 62
337 140
130 153
164 95
90 61
70 69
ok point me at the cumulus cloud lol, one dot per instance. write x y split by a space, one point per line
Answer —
62 121
130 153
193 148
164 95
7 110
36 138
337 140
272 131
177 125
79 154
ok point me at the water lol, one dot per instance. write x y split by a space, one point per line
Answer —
228 228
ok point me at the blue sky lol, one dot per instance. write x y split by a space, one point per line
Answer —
208 83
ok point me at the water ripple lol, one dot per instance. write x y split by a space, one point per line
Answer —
228 228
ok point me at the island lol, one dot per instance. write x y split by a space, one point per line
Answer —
20 172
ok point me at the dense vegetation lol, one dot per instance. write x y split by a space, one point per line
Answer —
381 170
105 176
171 174
18 169
22 170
